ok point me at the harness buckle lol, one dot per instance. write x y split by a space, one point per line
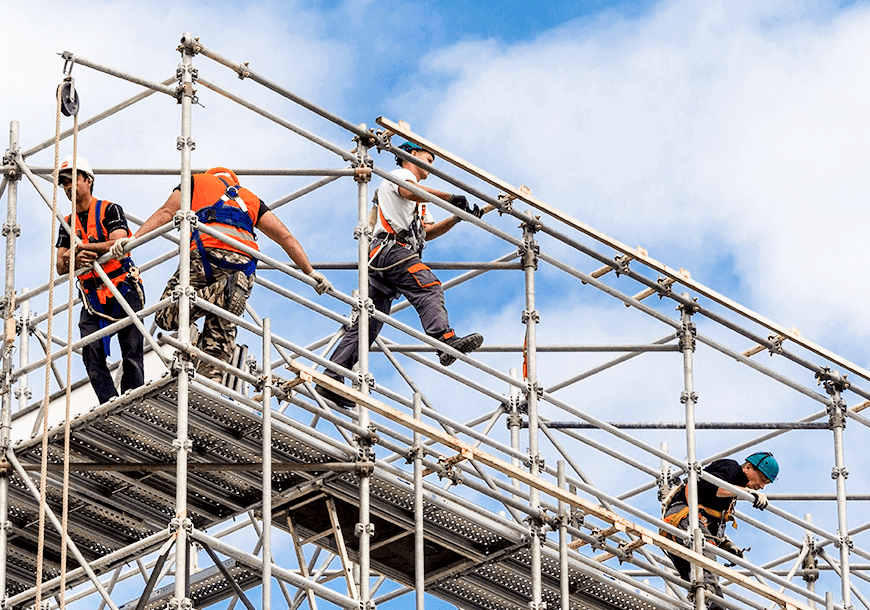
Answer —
232 192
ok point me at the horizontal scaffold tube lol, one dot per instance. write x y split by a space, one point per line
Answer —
473 453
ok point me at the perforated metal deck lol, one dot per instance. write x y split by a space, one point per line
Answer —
473 559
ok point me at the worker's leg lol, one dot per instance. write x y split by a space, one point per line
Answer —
94 357
418 284
132 348
228 290
711 581
347 352
167 319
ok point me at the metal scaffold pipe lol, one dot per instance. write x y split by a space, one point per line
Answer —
11 231
183 445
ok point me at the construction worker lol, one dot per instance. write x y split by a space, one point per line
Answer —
716 507
220 273
402 227
98 225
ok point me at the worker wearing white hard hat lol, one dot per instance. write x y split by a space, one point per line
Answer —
97 225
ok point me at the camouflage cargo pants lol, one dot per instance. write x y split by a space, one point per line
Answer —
228 290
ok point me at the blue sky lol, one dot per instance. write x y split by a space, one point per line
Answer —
728 138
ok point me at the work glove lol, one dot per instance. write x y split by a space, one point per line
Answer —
729 547
760 501
461 202
117 249
321 284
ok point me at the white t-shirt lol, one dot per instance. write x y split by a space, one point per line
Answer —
395 209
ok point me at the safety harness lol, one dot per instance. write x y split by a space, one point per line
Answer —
412 239
230 220
123 274
674 519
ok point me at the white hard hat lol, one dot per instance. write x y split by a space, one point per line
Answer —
81 166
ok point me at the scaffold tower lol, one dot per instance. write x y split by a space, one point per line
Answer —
508 481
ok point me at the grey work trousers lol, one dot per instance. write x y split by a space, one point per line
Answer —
396 272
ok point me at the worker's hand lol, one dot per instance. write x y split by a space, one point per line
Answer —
84 258
475 211
729 547
459 201
321 284
117 249
760 501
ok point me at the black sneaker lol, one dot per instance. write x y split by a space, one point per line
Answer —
465 345
331 396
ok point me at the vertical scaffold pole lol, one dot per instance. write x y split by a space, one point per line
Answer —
835 384
687 345
419 540
23 393
11 230
514 421
182 444
365 528
530 319
564 582
267 463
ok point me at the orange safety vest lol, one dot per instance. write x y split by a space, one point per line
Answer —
211 191
115 269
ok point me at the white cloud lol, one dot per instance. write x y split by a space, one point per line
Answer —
704 132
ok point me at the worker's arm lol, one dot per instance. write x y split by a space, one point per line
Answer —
406 194
163 215
83 259
274 229
436 229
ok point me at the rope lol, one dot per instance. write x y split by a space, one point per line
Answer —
68 394
43 471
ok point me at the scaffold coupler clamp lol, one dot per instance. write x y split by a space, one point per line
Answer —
532 316
191 43
11 170
178 523
368 529
686 397
5 465
686 335
180 604
832 381
538 606
775 344
367 605
190 215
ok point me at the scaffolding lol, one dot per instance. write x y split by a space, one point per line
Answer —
407 493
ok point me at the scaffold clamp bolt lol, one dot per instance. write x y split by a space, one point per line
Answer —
540 606
178 444
362 175
685 397
836 472
368 529
11 228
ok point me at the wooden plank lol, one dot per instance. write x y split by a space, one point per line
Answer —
624 249
554 491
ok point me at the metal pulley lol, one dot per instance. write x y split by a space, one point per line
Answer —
69 98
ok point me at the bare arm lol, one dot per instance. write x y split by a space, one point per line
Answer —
437 229
274 229
163 215
405 193
87 253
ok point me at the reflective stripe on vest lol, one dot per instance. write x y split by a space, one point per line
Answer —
209 191
116 271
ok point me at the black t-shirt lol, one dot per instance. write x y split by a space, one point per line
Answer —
113 219
263 207
729 471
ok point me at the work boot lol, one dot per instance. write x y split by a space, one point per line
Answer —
466 344
331 396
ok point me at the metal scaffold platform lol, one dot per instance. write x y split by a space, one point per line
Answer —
188 493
